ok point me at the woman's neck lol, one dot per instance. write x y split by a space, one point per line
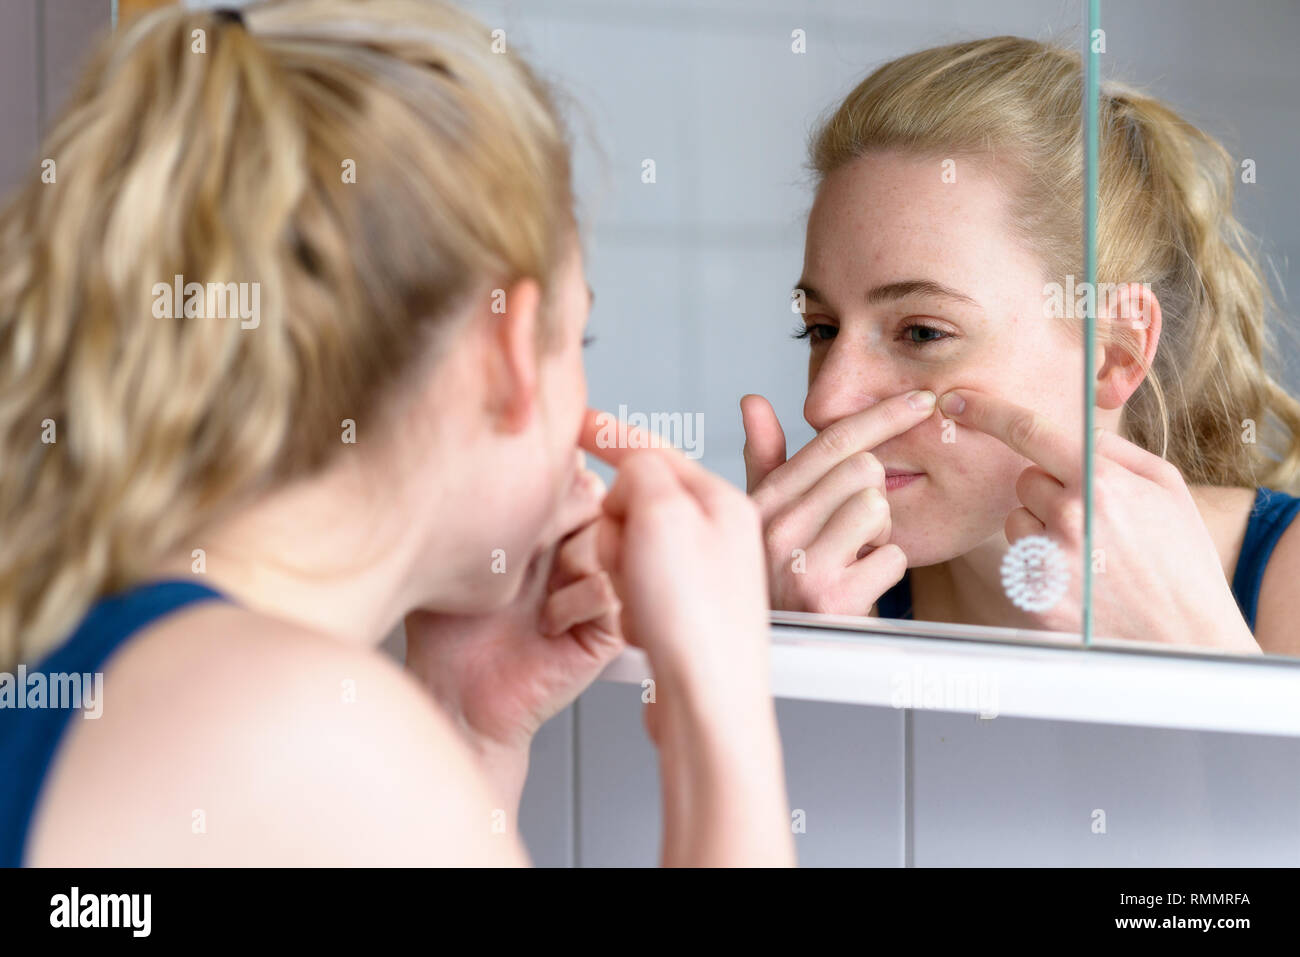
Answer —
319 554
967 589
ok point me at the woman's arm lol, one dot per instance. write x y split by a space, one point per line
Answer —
721 781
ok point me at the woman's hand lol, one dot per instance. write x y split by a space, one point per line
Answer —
683 549
501 676
1157 572
826 523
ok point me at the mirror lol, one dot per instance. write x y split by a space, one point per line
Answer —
908 193
1185 211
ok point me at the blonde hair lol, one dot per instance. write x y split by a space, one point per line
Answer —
218 151
1164 217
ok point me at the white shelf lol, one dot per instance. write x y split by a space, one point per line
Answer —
1022 674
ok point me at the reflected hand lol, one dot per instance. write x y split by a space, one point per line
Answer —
826 522
1161 579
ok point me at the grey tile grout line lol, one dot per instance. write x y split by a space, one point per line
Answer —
575 801
909 835
40 69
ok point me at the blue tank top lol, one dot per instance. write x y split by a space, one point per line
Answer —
30 735
1269 518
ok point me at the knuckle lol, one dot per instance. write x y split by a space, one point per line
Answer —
895 413
664 505
1024 483
868 467
764 505
836 438
872 502
780 530
1169 474
1069 516
1103 484
893 558
1024 429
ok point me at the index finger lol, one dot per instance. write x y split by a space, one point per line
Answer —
861 431
1023 430
613 441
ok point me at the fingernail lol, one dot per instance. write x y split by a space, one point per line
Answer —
921 399
952 403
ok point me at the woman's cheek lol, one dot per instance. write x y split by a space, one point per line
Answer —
984 468
975 481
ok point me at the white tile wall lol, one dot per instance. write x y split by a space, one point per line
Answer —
42 47
881 787
844 768
1014 792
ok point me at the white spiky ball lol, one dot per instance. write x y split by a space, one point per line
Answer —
1034 573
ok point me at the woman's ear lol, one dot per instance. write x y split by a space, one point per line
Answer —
1132 315
510 356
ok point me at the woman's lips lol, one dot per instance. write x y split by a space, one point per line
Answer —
898 478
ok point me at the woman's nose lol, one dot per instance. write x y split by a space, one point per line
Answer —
848 383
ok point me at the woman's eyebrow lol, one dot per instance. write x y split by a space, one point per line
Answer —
898 290
916 287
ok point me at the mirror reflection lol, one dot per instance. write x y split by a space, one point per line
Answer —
923 193
1194 257
947 405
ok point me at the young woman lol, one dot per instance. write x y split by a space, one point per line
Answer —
225 514
947 219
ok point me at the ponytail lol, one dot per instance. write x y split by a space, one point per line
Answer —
1210 403
218 149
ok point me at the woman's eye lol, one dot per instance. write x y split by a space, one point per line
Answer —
816 332
919 334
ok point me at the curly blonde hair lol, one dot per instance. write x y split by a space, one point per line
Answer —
202 147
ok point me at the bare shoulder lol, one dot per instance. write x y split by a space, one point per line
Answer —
1277 617
231 738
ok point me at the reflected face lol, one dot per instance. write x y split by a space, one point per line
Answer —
916 283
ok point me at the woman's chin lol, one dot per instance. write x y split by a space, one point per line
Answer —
930 546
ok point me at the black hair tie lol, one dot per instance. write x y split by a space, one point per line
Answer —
229 15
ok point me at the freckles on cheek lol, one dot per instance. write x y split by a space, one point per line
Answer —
973 460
